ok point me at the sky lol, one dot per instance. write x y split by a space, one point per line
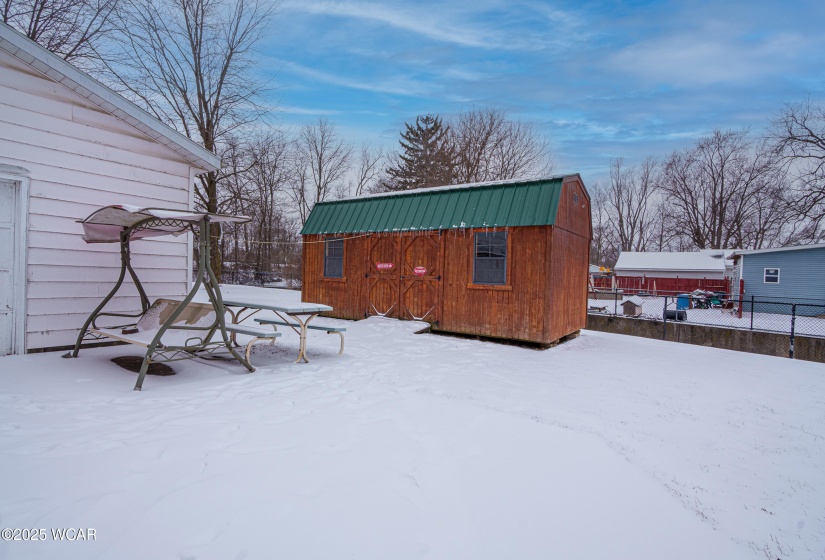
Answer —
599 79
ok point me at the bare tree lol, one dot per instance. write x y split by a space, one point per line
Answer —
72 29
370 162
255 175
189 62
799 139
631 197
604 245
722 192
490 147
322 160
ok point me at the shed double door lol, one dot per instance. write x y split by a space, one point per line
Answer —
404 276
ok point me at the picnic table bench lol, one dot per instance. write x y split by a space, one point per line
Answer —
296 327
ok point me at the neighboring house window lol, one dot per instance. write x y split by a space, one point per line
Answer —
490 258
334 258
771 276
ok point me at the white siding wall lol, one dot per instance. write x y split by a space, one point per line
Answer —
79 159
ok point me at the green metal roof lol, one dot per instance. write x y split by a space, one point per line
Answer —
499 204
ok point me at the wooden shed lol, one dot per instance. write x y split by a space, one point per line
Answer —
505 259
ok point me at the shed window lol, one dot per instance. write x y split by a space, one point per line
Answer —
490 258
771 276
334 258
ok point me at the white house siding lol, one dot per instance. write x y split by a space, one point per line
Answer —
79 158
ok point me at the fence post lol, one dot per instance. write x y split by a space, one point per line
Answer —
741 295
753 301
664 321
793 328
615 301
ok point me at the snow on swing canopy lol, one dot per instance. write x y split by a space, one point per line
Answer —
106 224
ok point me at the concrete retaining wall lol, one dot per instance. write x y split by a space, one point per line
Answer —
771 344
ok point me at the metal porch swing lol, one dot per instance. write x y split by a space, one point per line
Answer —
169 330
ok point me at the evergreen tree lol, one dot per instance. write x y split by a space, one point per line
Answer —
427 158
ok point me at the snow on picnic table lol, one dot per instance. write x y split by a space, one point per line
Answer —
419 446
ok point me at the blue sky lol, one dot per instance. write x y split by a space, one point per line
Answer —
600 79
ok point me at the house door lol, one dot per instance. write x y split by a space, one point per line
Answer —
383 275
8 245
420 277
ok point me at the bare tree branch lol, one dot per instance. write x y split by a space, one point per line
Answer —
322 160
190 63
489 147
798 136
726 192
72 29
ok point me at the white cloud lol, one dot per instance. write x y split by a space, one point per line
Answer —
292 110
457 23
715 55
396 86
421 22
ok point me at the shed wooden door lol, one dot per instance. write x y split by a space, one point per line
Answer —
420 277
383 275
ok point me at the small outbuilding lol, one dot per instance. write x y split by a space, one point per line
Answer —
631 308
69 145
503 259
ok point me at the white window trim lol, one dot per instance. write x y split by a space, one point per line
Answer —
765 275
18 341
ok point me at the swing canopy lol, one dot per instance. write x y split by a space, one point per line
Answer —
108 223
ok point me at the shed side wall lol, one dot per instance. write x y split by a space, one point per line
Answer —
79 159
568 262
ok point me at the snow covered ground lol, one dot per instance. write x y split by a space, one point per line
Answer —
419 446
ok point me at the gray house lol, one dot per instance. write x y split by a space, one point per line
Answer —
784 275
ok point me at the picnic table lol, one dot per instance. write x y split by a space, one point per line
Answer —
243 307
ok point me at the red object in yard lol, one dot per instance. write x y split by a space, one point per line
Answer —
384 266
420 271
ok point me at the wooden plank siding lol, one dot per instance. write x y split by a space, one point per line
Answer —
515 310
79 158
568 263
349 292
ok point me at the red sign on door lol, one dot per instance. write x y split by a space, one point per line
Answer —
384 266
420 271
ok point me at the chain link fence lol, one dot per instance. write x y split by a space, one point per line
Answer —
791 316
288 277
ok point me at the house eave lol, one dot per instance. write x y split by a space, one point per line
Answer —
57 69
